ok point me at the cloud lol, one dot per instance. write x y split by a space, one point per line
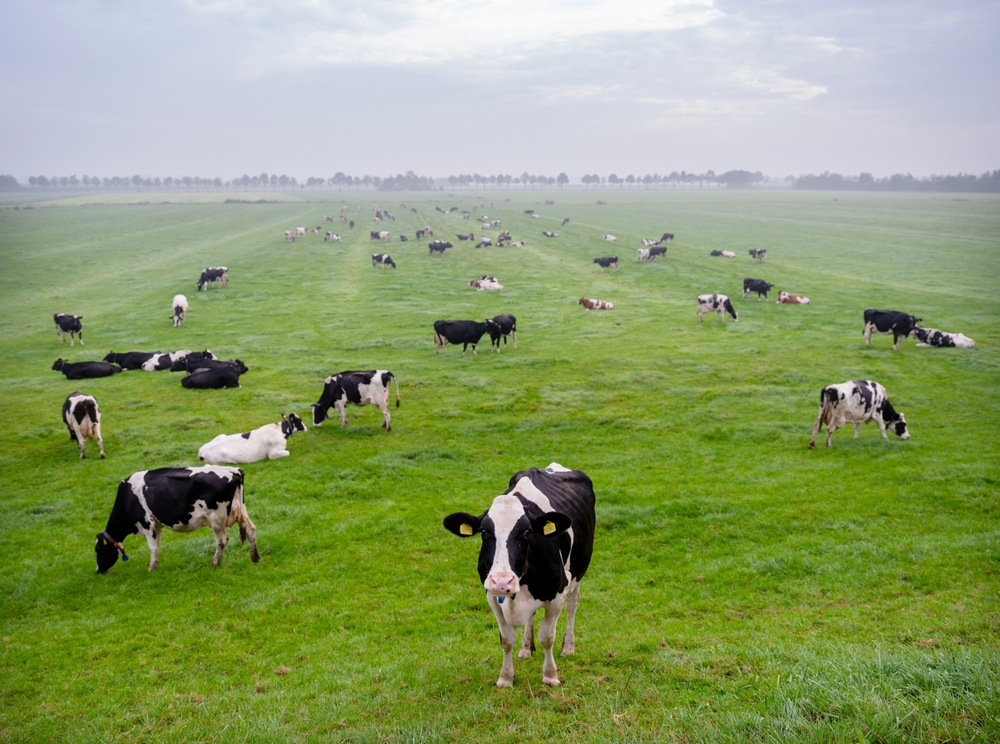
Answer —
776 84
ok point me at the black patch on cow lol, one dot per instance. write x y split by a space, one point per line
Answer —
246 435
85 370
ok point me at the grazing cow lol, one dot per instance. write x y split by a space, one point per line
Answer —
403 239
756 285
642 254
657 251
606 261
83 419
317 229
85 370
495 224
717 302
438 246
900 325
440 210
181 499
384 259
130 359
368 388
68 324
667 237
373 235
428 231
419 235
609 238
787 298
384 236
289 237
501 326
213 274
548 234
267 442
486 283
465 332
504 235
413 210
179 359
300 231
857 402
327 218
940 339
565 222
649 242
484 243
180 305
595 304
331 237
537 542
213 379
758 254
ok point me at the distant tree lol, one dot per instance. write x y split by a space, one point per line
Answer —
43 181
614 180
563 179
8 183
630 179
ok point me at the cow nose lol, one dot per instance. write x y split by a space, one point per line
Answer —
502 584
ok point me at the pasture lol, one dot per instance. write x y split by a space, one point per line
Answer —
743 588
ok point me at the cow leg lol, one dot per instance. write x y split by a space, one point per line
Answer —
153 540
508 636
248 531
81 442
857 430
72 338
547 637
474 350
895 342
569 640
881 427
100 439
386 422
221 538
867 333
342 410
830 428
527 639
81 338
817 426
514 335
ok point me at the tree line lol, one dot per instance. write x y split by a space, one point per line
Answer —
988 182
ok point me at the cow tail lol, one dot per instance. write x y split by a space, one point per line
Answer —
243 516
396 380
89 426
826 400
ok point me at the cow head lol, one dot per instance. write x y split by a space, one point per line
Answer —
731 310
508 536
108 550
110 357
290 423
58 365
899 427
240 366
319 413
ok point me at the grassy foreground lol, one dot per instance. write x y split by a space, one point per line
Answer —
743 588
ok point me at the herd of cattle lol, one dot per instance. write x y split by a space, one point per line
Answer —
537 537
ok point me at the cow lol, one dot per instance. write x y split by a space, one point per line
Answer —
465 332
857 402
213 379
213 274
159 361
495 224
83 419
518 244
606 261
485 283
181 499
756 285
68 324
717 302
609 238
331 237
403 239
787 298
484 243
373 235
438 246
724 254
351 224
130 360
327 218
758 254
501 326
933 337
180 306
537 543
529 212
289 237
642 254
595 304
367 388
470 236
383 259
267 442
317 229
900 325
504 235
300 231
565 222
179 359
548 234
196 363
419 235
657 251
384 236
85 370
649 242
667 238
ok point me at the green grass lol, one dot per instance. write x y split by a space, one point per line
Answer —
743 588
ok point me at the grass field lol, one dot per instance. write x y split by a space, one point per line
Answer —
743 588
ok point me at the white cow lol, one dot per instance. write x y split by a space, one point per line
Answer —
269 441
857 402
609 238
643 254
83 419
486 283
300 231
934 337
180 307
289 237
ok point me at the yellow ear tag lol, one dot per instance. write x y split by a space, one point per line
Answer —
549 528
465 529
104 542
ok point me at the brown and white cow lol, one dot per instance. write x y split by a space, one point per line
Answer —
595 304
787 298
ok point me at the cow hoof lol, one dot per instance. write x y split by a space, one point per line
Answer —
505 682
524 653
103 456
568 651
551 681
812 445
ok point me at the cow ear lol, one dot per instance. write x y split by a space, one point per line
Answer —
551 524
462 524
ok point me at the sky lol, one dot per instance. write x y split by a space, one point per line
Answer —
311 87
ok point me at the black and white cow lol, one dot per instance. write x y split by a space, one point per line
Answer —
642 254
655 251
723 254
130 359
565 222
214 274
383 259
83 419
200 363
385 236
213 379
719 303
373 235
606 261
180 307
609 238
537 543
269 441
331 237
68 324
181 499
758 254
857 402
501 326
419 235
940 339
484 243
756 285
366 388
465 332
85 370
403 239
900 325
470 236
549 234
179 359
667 237
438 246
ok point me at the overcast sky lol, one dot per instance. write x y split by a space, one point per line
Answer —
311 87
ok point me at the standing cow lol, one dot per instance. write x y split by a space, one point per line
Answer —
83 419
367 388
465 332
756 285
180 306
537 543
68 324
606 262
716 302
857 402
501 326
900 325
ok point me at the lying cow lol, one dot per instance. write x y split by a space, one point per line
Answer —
179 359
130 360
537 543
606 261
501 326
403 239
438 246
595 304
199 363
331 237
609 238
213 379
787 298
470 236
486 283
159 361
267 442
940 339
857 402
718 303
484 243
382 259
180 306
68 324
85 370
758 254
465 332
724 254
548 234
181 499
368 388
756 285
900 325
83 419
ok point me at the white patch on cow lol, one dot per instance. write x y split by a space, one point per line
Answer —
505 511
555 467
